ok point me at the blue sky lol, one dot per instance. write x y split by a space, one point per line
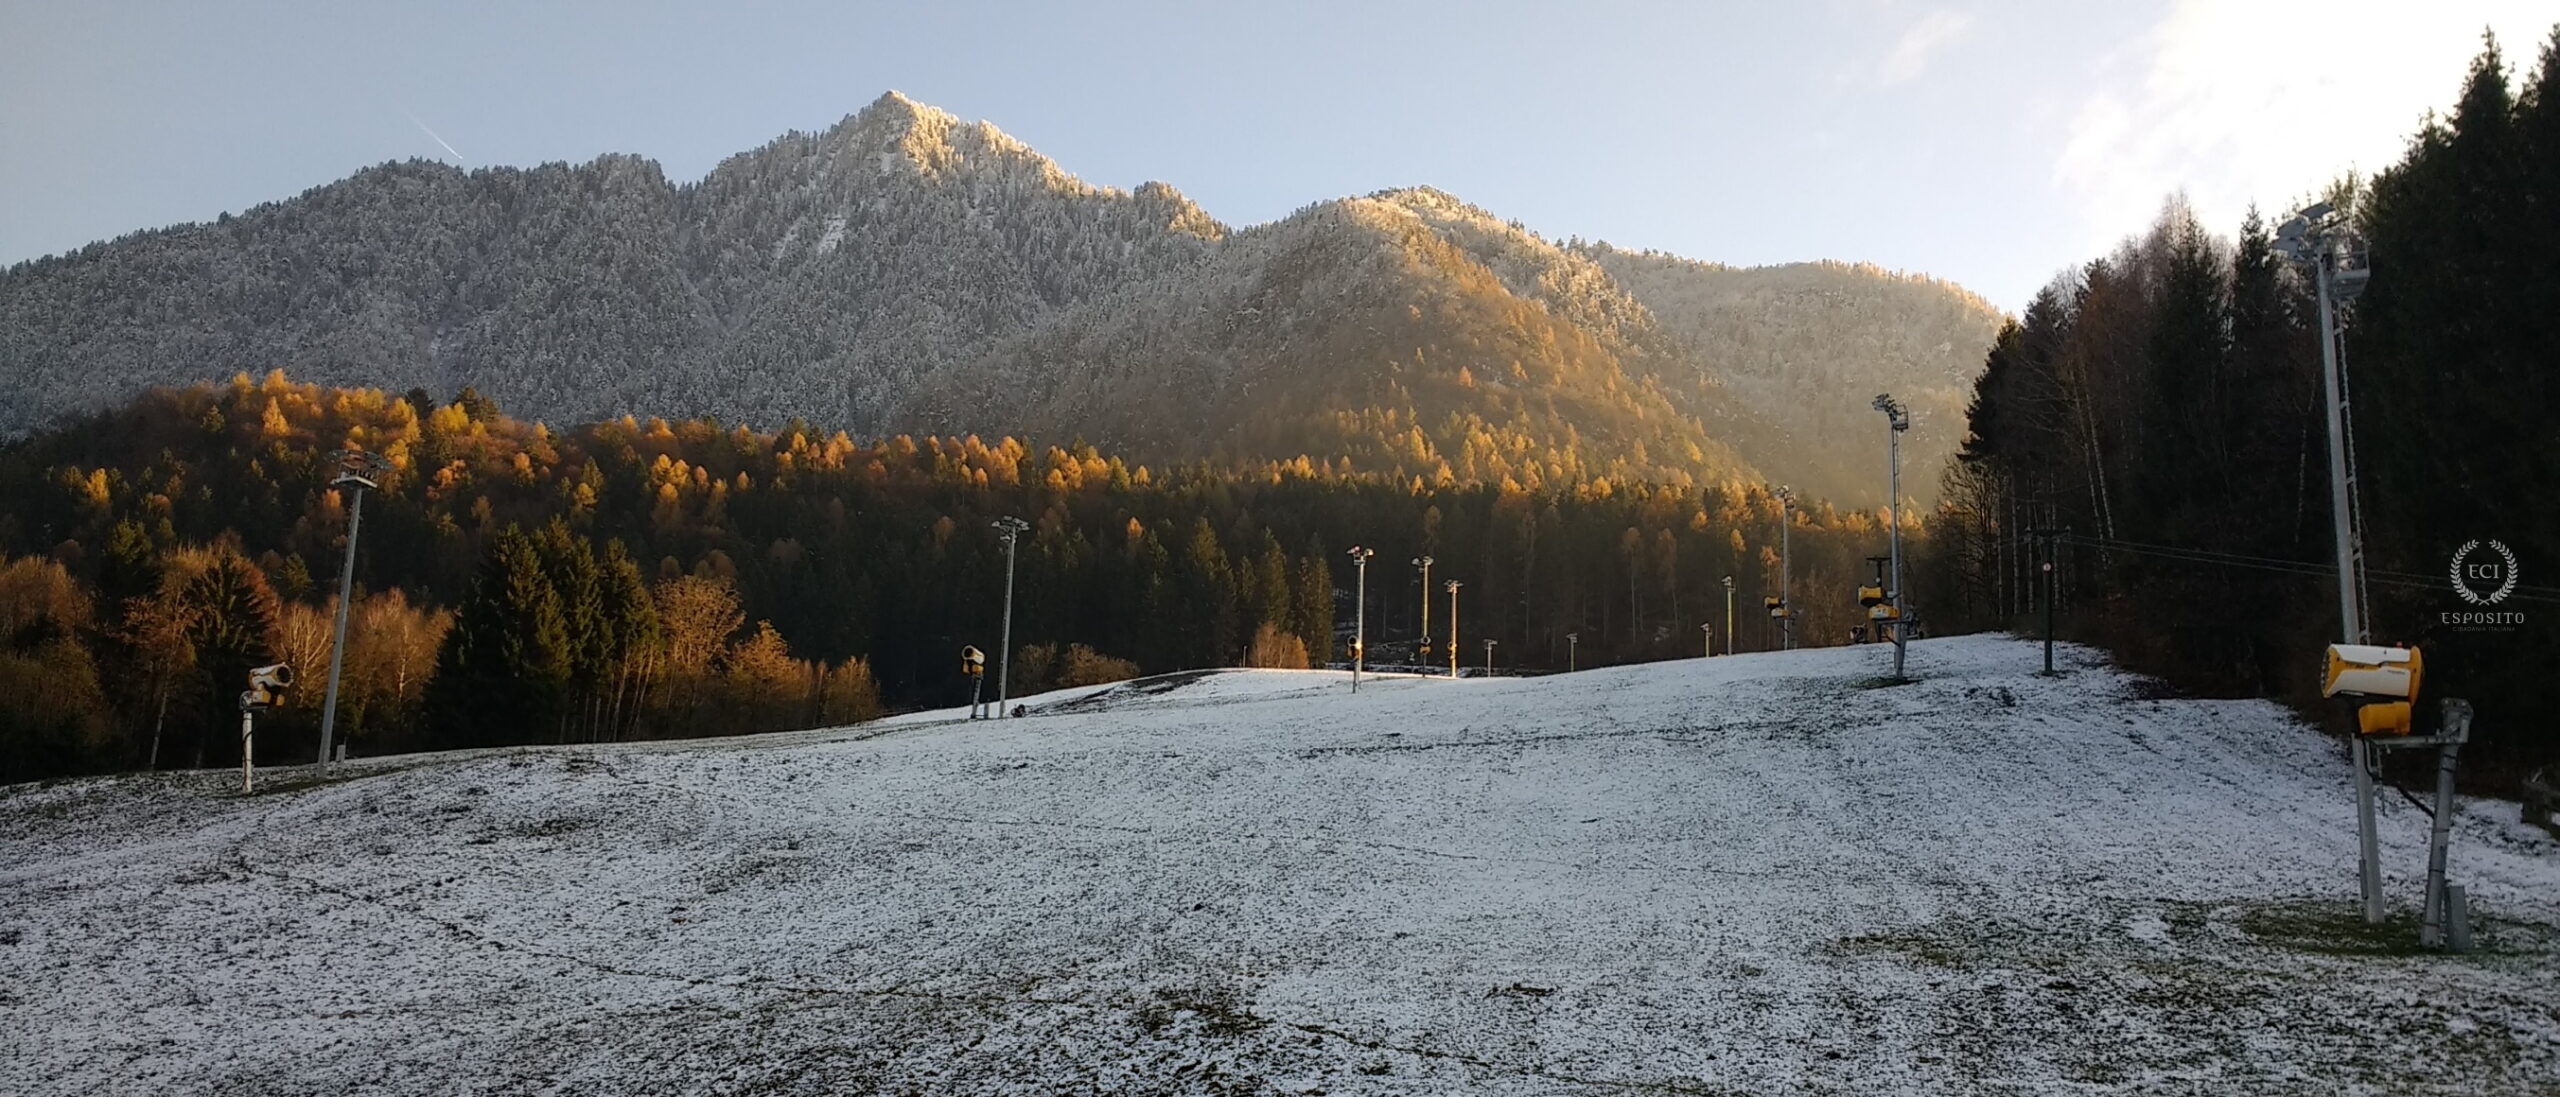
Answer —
1990 144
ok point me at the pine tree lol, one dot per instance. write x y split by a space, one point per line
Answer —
1207 594
1314 596
1273 605
570 565
504 668
132 566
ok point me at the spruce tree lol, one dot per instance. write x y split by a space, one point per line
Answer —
504 668
1314 597
570 564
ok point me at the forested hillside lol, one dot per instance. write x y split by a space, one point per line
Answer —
2163 403
906 272
638 578
1791 344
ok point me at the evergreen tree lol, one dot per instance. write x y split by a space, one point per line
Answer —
1205 590
1314 597
1273 604
131 568
570 565
504 667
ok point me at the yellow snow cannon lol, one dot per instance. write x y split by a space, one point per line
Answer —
2389 675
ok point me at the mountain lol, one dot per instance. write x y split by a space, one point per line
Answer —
1403 330
1808 346
905 271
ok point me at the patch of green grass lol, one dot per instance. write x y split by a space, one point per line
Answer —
2330 929
2339 929
1927 948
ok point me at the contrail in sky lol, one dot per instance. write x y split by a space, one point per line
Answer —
457 156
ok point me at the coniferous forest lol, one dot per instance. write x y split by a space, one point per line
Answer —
2164 405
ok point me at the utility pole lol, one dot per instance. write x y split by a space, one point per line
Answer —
1360 614
357 470
1786 578
1572 651
1899 418
1728 616
2319 238
1424 656
1010 528
1453 627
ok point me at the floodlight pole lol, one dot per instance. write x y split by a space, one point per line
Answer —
1424 562
1728 616
356 464
1453 627
2311 238
1010 528
1899 418
1360 614
1786 583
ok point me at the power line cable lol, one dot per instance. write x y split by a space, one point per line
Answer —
2403 579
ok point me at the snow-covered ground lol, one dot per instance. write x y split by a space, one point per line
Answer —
1752 875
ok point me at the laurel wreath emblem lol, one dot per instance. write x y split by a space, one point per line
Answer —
2493 597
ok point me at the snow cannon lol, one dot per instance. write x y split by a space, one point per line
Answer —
267 686
1777 606
1885 613
2388 675
1871 596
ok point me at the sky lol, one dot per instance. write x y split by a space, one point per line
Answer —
1993 145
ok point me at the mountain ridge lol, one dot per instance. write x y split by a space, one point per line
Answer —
903 270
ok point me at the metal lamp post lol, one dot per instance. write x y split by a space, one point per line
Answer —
2319 238
1707 630
1572 651
1360 614
1010 528
1424 655
1488 655
1728 616
358 469
1453 627
1899 418
1786 586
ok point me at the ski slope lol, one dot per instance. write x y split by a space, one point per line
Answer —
1749 875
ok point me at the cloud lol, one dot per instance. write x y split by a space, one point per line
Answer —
2267 101
1911 54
